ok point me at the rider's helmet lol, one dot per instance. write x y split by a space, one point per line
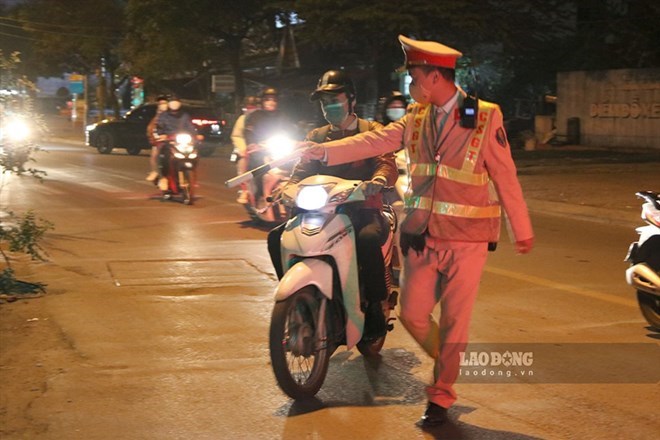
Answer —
174 103
334 82
250 103
161 102
270 91
269 99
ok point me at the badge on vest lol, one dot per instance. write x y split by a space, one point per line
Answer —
501 137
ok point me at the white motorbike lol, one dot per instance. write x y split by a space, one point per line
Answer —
644 258
318 302
262 188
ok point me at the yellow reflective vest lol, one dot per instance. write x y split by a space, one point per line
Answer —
459 176
450 191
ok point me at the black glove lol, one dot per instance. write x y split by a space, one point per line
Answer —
416 242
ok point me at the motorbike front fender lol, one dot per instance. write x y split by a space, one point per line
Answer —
641 277
310 271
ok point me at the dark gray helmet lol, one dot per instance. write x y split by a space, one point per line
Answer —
334 82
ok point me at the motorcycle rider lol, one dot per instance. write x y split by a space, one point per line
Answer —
161 107
261 124
250 104
394 108
336 93
170 123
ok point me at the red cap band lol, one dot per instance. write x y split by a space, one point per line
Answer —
419 58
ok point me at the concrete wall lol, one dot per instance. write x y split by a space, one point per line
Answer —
616 108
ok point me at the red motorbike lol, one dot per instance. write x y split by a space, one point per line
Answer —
178 163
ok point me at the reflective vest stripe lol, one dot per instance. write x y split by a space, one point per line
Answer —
423 169
432 169
453 209
474 144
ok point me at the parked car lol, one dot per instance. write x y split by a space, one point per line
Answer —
130 131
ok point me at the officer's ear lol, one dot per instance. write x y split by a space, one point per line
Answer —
436 76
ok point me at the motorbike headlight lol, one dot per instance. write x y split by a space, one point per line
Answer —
183 138
279 146
312 197
16 130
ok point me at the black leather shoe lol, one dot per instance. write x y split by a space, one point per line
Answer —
435 415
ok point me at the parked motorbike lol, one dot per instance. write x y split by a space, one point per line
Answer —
644 258
178 159
396 199
318 302
261 188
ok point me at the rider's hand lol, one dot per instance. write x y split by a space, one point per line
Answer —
374 186
311 151
277 193
524 246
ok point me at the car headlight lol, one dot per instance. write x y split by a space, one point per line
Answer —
91 127
312 197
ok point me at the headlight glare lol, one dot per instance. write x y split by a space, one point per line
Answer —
312 197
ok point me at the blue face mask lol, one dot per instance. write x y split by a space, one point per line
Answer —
334 113
395 113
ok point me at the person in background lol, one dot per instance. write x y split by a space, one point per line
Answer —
394 108
161 106
250 104
462 174
170 123
260 125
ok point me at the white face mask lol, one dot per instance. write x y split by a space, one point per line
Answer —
418 92
395 113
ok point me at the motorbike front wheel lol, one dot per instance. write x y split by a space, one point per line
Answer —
299 349
649 304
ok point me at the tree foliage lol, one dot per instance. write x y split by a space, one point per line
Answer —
496 36
20 233
76 36
73 35
167 38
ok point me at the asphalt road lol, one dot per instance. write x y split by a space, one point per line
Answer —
158 317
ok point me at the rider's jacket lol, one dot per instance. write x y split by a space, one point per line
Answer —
171 122
262 124
363 169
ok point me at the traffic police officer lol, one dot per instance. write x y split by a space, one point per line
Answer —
461 173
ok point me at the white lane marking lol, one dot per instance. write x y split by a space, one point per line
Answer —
42 188
104 187
563 287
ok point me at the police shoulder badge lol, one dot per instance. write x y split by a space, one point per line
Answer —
501 137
